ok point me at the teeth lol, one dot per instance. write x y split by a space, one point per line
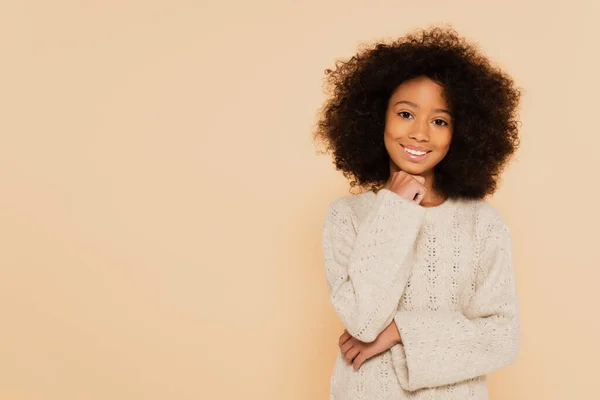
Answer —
418 153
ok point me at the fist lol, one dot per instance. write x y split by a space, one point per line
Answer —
411 187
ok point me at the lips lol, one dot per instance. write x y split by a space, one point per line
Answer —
414 157
411 147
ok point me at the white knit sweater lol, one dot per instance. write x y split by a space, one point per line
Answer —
444 274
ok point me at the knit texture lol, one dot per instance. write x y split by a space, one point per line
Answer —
444 274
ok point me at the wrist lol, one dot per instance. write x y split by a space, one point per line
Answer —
396 331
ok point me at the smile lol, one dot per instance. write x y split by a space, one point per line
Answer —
413 155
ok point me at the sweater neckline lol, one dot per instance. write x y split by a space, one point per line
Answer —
439 207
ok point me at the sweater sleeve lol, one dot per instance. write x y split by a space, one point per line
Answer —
367 266
444 347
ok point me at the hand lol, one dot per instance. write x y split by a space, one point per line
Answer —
357 352
407 185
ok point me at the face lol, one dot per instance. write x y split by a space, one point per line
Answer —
418 120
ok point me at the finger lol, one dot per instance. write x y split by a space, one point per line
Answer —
359 360
345 351
419 179
347 346
343 339
345 336
420 195
351 354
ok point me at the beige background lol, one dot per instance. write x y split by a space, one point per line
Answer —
161 199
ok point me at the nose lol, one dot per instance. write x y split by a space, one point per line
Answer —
420 131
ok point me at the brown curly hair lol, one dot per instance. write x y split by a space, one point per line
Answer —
484 101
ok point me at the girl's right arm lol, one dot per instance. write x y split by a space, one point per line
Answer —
367 267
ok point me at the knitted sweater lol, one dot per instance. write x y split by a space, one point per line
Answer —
444 274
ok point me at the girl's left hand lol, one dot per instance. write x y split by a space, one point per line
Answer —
357 352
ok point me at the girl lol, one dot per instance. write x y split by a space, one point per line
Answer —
419 267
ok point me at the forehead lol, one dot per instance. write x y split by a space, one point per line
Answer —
420 90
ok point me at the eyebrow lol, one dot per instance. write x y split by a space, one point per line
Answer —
416 106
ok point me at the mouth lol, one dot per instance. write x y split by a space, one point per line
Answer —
413 155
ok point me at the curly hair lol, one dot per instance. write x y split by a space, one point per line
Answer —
484 101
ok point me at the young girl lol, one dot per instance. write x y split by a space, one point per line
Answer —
419 267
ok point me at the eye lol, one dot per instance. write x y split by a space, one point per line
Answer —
403 112
444 122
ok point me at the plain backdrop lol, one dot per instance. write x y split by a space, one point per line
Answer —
161 197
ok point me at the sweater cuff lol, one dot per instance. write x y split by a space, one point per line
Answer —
400 202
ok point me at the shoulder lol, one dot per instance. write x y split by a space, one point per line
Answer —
490 223
344 205
486 211
348 208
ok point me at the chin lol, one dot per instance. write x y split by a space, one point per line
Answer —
414 168
413 171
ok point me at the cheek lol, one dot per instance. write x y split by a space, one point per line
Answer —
390 138
444 150
445 144
393 125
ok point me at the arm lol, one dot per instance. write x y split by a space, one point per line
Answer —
443 347
367 268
